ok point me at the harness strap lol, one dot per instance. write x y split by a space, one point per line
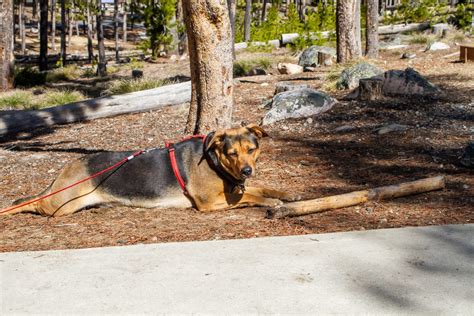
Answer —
174 164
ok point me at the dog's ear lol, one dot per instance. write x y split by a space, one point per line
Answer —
256 130
216 140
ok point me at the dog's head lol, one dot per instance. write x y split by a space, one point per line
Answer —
237 149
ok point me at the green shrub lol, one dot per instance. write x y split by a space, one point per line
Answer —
70 72
132 85
59 97
28 77
242 67
16 100
422 39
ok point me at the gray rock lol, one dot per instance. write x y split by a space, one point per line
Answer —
437 46
439 28
467 158
298 103
137 73
350 77
310 69
391 128
344 128
283 86
240 46
408 82
408 55
309 57
257 72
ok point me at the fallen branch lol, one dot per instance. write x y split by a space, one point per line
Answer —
12 122
358 197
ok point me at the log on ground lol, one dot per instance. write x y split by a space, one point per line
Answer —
12 122
358 197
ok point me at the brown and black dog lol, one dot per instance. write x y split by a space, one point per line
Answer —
214 170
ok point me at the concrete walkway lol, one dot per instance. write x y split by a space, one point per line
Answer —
426 270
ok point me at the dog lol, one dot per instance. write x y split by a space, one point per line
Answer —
208 173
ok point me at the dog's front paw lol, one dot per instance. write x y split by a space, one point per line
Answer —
290 197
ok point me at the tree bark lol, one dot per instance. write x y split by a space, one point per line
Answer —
102 65
247 20
124 31
372 25
53 25
21 21
264 10
358 33
358 197
90 48
6 44
210 50
116 27
43 61
345 30
231 4
63 32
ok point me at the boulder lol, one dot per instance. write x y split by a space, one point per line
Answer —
283 86
257 72
467 158
298 103
350 77
408 55
137 73
437 46
289 69
408 82
440 28
398 83
309 57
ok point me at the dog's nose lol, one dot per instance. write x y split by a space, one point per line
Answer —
246 171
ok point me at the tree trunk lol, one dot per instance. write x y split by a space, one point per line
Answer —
90 49
6 44
358 33
232 7
102 65
63 32
116 26
38 17
210 49
124 7
264 10
53 25
43 61
247 20
70 26
345 30
372 25
21 21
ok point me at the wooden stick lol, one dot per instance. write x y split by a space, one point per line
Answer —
358 197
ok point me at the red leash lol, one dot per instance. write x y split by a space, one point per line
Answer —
95 175
174 164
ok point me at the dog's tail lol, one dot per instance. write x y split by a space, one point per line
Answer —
33 207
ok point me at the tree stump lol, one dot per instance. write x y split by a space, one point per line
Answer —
324 59
371 88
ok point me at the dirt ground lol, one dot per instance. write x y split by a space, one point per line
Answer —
308 157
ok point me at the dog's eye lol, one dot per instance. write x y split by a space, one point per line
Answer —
233 154
251 150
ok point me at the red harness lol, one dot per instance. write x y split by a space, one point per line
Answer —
174 164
